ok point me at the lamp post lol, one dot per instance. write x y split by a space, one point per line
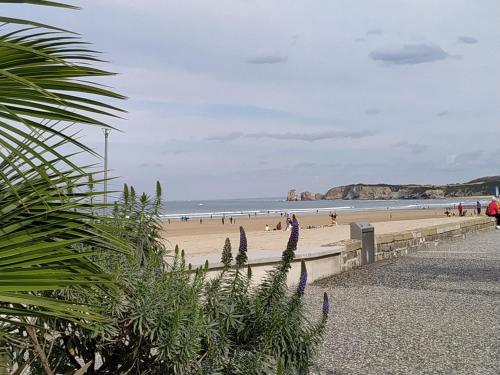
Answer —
106 135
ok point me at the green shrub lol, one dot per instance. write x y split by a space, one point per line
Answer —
259 329
167 318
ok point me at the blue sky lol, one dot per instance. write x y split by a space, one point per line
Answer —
242 98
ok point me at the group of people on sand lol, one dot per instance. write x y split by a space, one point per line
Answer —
462 211
223 220
278 226
492 210
290 220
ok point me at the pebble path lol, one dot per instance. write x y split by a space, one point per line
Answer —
435 311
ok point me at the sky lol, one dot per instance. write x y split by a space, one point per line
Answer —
250 98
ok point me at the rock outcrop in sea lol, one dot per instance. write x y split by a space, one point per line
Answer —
477 187
292 195
307 196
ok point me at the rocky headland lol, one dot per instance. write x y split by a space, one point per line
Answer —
478 187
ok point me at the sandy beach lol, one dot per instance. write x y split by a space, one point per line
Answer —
207 238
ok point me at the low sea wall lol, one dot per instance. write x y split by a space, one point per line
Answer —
392 245
338 257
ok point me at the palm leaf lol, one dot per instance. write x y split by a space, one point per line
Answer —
40 2
41 79
48 230
47 237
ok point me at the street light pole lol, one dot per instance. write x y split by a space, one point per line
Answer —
106 135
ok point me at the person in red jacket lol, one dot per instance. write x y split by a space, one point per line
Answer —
493 211
460 209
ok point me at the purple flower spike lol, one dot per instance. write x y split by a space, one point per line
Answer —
303 279
294 236
242 257
326 305
243 241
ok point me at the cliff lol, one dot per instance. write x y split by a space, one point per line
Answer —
477 187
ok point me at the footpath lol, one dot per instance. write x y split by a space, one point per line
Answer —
433 311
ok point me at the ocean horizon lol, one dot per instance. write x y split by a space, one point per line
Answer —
277 205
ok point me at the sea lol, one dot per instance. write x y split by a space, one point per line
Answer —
276 206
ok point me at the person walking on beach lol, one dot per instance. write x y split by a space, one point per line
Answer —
493 211
478 208
231 220
223 219
460 209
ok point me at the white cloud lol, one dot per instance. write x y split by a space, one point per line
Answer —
410 54
374 32
267 59
289 136
467 39
415 148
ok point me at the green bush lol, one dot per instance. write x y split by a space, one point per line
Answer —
167 318
256 329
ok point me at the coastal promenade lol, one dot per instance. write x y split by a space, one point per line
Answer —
434 311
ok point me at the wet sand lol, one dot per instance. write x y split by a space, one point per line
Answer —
207 238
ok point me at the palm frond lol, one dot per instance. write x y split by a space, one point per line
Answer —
42 79
48 231
47 237
40 2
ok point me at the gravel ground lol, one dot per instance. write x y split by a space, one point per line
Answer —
436 311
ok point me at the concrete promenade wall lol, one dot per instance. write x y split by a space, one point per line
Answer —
338 257
392 245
